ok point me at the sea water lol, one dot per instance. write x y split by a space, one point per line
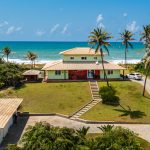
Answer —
49 51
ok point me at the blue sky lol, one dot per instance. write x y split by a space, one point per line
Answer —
69 20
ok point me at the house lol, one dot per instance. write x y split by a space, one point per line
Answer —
8 108
32 75
80 64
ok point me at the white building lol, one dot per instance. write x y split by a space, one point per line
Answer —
8 107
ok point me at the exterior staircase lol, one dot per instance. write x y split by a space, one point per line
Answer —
95 100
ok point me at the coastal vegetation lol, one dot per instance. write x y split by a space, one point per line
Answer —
44 136
133 107
146 37
6 52
99 40
10 74
126 37
32 57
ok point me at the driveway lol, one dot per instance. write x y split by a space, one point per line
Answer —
142 83
141 129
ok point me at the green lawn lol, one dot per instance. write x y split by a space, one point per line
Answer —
64 98
130 95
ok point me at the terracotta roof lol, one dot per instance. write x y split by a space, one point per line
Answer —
31 72
60 65
80 51
8 106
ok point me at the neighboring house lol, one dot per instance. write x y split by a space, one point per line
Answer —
8 114
32 75
80 64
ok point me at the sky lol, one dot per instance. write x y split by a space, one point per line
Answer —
70 20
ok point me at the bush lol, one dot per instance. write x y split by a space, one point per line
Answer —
118 139
43 136
108 95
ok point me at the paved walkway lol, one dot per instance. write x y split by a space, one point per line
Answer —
142 130
95 100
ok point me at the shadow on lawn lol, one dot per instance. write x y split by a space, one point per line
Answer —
129 112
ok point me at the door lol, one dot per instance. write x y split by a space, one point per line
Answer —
90 74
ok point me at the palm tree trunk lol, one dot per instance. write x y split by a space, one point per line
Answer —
105 75
125 57
7 58
145 84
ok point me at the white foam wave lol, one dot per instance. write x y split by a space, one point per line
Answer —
21 61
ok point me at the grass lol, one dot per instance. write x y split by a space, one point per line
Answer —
64 98
144 144
130 94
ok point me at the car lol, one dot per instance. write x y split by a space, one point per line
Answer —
136 76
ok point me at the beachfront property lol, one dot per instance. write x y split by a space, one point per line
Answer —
80 64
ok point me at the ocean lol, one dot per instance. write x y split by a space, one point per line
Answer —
49 51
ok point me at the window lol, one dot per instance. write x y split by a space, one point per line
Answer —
72 58
57 72
110 72
83 58
95 58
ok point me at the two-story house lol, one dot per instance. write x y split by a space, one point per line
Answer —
80 64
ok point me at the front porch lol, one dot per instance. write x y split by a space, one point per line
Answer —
83 74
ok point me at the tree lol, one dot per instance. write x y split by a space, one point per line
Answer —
11 74
32 57
126 36
6 51
145 35
147 70
43 136
98 38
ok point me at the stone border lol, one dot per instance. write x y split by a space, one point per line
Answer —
78 120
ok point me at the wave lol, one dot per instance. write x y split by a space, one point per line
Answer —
121 61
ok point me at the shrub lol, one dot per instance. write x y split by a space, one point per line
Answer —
43 136
118 139
108 95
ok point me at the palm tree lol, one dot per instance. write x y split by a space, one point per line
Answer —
6 51
145 35
147 69
32 57
126 36
98 37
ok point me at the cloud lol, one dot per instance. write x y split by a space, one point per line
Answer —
13 29
133 27
125 14
99 18
4 23
65 29
99 21
54 28
40 33
101 25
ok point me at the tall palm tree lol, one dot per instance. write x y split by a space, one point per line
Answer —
32 57
147 70
98 38
126 37
6 51
145 35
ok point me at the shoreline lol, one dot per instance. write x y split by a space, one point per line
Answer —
19 61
